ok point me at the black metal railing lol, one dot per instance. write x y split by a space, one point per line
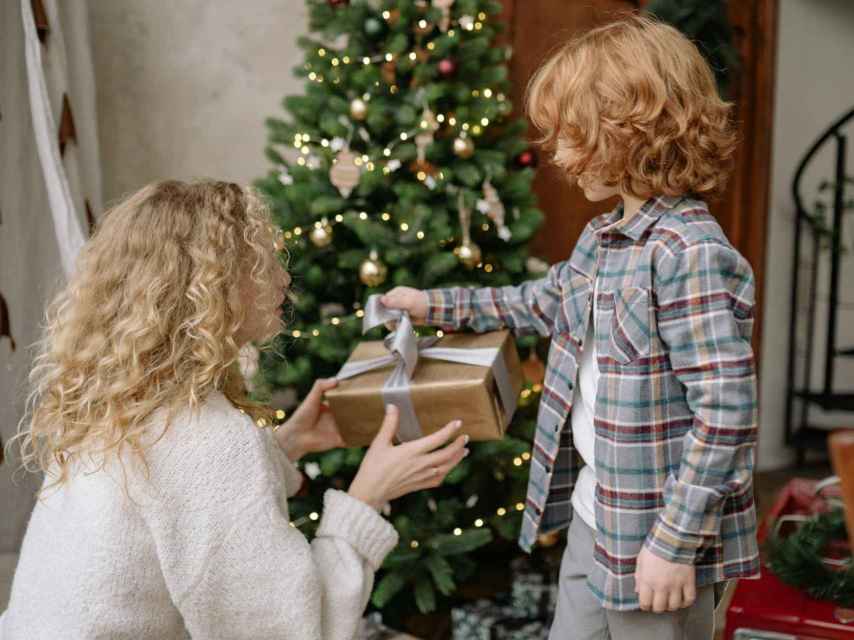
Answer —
823 235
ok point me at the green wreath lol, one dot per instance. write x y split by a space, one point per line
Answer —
798 560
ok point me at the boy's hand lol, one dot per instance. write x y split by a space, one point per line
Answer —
662 585
408 299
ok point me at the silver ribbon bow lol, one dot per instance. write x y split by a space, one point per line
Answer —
404 350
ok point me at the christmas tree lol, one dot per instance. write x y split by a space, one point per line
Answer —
402 165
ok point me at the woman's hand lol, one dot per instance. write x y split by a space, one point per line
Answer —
408 299
311 428
389 471
662 585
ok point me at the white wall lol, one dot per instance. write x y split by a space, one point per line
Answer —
815 84
184 87
30 268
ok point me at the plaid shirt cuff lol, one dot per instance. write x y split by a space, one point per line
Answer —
671 544
444 308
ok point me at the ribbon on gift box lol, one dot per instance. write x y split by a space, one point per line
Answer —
405 348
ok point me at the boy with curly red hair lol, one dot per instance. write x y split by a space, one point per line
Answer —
647 424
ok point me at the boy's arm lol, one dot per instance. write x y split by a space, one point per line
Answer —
705 298
528 308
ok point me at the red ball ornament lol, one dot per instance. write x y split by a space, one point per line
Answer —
447 67
338 3
527 159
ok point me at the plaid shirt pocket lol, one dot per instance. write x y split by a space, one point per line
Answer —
629 324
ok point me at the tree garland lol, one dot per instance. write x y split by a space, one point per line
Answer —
797 559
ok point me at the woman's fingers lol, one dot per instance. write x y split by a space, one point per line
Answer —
321 386
436 439
441 463
443 456
388 429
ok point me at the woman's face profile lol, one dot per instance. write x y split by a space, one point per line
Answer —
262 304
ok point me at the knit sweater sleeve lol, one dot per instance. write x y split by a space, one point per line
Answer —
233 564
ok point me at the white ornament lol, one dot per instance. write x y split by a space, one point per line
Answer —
445 7
286 178
394 164
467 23
337 144
331 309
247 360
312 470
536 265
492 206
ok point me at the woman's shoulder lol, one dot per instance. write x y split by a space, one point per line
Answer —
213 417
211 442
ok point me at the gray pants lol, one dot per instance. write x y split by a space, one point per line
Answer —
579 615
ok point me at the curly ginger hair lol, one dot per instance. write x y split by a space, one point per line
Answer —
635 104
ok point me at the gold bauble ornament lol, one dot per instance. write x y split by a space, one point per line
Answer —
321 234
372 271
469 254
463 147
358 109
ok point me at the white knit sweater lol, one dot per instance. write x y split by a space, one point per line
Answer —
204 548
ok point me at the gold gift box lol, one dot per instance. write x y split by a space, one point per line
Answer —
441 391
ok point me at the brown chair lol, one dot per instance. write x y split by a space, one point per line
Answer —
842 456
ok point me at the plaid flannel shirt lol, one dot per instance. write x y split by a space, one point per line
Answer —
676 409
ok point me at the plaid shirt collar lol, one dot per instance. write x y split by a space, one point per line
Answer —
650 211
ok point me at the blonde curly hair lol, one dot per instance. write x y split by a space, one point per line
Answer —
148 320
635 104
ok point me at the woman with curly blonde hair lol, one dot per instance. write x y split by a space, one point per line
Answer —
164 508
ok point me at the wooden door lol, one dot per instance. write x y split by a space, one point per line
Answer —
536 27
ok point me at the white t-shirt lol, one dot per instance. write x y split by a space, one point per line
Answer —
583 432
